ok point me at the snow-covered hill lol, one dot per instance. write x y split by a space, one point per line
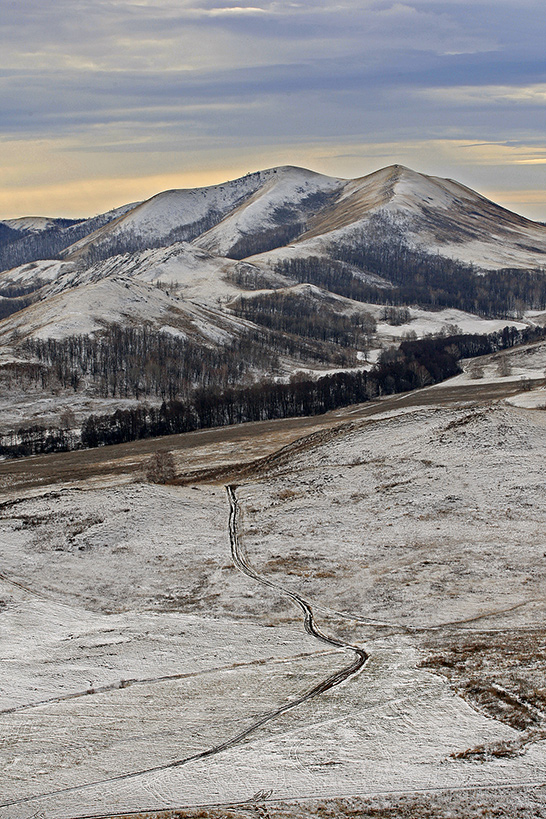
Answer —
181 260
434 215
86 308
184 269
289 197
187 214
34 274
34 224
309 211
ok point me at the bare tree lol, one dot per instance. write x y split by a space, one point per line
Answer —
504 366
475 370
160 468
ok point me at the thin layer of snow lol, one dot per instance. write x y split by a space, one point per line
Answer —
31 224
285 187
116 300
515 364
491 254
434 215
412 521
533 399
181 268
425 322
157 217
19 409
36 273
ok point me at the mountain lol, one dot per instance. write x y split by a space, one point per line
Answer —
285 213
308 212
26 225
427 213
281 270
215 217
30 239
118 300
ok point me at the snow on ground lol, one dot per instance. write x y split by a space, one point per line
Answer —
99 594
86 309
284 187
34 274
32 224
535 399
427 523
157 217
182 268
493 254
433 214
315 247
424 532
516 364
425 322
90 307
33 408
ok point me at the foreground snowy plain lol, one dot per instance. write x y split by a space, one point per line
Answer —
131 642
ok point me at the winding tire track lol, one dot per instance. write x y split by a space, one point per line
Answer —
309 624
308 620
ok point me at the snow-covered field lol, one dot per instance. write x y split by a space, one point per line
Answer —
131 642
516 364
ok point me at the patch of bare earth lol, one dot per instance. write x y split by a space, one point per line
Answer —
503 675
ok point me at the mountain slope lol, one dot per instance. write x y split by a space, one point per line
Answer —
184 269
212 244
437 216
288 199
178 215
34 239
86 308
37 224
307 213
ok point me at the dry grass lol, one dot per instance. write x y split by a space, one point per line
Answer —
512 803
291 564
503 674
288 494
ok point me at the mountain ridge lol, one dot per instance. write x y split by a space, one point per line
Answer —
395 236
429 212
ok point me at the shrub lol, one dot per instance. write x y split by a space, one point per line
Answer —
160 468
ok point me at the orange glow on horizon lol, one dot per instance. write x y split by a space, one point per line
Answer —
86 198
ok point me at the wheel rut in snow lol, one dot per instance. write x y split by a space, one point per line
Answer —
308 619
311 628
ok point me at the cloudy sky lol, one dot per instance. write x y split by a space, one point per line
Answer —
104 102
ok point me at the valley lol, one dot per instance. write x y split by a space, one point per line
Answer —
272 504
283 274
147 673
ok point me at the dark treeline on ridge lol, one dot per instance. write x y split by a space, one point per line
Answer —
12 304
313 318
419 278
23 248
414 364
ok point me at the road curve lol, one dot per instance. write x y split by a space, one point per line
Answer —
308 619
309 624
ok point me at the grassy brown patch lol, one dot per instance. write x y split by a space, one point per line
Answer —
502 673
489 803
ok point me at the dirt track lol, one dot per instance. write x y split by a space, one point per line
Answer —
360 657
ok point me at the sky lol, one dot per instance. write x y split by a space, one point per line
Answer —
105 102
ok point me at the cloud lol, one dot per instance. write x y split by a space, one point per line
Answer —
488 94
229 10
